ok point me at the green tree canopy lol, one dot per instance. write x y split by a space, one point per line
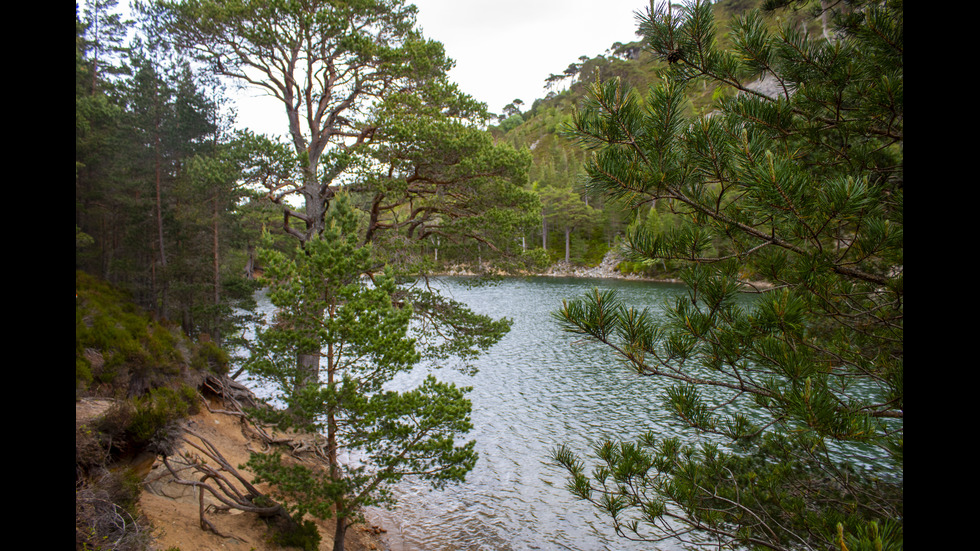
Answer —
801 188
150 221
355 80
326 62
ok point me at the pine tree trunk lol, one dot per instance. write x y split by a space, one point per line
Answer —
158 176
544 233
308 366
217 282
250 262
332 456
340 534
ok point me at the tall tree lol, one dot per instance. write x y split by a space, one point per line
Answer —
137 132
356 81
365 338
326 62
106 31
151 108
98 140
431 174
213 283
805 189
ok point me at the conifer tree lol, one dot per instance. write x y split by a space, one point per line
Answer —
797 400
567 211
156 184
373 436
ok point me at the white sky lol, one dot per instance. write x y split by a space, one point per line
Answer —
504 49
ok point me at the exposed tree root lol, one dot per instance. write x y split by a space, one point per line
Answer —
203 467
223 483
234 394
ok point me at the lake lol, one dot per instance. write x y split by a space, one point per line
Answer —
536 388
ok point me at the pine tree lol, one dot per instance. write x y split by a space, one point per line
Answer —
566 210
801 189
99 179
364 335
149 213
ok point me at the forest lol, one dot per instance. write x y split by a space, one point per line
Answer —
172 199
738 146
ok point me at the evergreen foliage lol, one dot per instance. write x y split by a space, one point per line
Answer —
370 111
324 303
156 201
558 165
801 190
121 351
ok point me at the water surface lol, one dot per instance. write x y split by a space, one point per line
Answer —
537 388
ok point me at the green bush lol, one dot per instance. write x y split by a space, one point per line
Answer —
210 357
595 251
155 413
300 533
129 340
137 352
147 420
83 371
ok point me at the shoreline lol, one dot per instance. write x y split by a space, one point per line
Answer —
607 269
561 269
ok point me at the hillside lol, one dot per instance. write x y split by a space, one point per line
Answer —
171 511
579 226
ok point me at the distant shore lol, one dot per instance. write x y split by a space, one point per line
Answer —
607 269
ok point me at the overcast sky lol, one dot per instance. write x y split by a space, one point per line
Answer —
504 49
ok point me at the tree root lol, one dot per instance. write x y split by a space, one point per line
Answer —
223 483
211 473
234 394
202 466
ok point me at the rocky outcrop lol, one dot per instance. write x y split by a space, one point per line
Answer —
606 269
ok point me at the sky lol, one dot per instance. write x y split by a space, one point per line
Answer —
504 49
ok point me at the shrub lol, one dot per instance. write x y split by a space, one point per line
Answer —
297 533
137 352
106 515
210 357
155 414
149 420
